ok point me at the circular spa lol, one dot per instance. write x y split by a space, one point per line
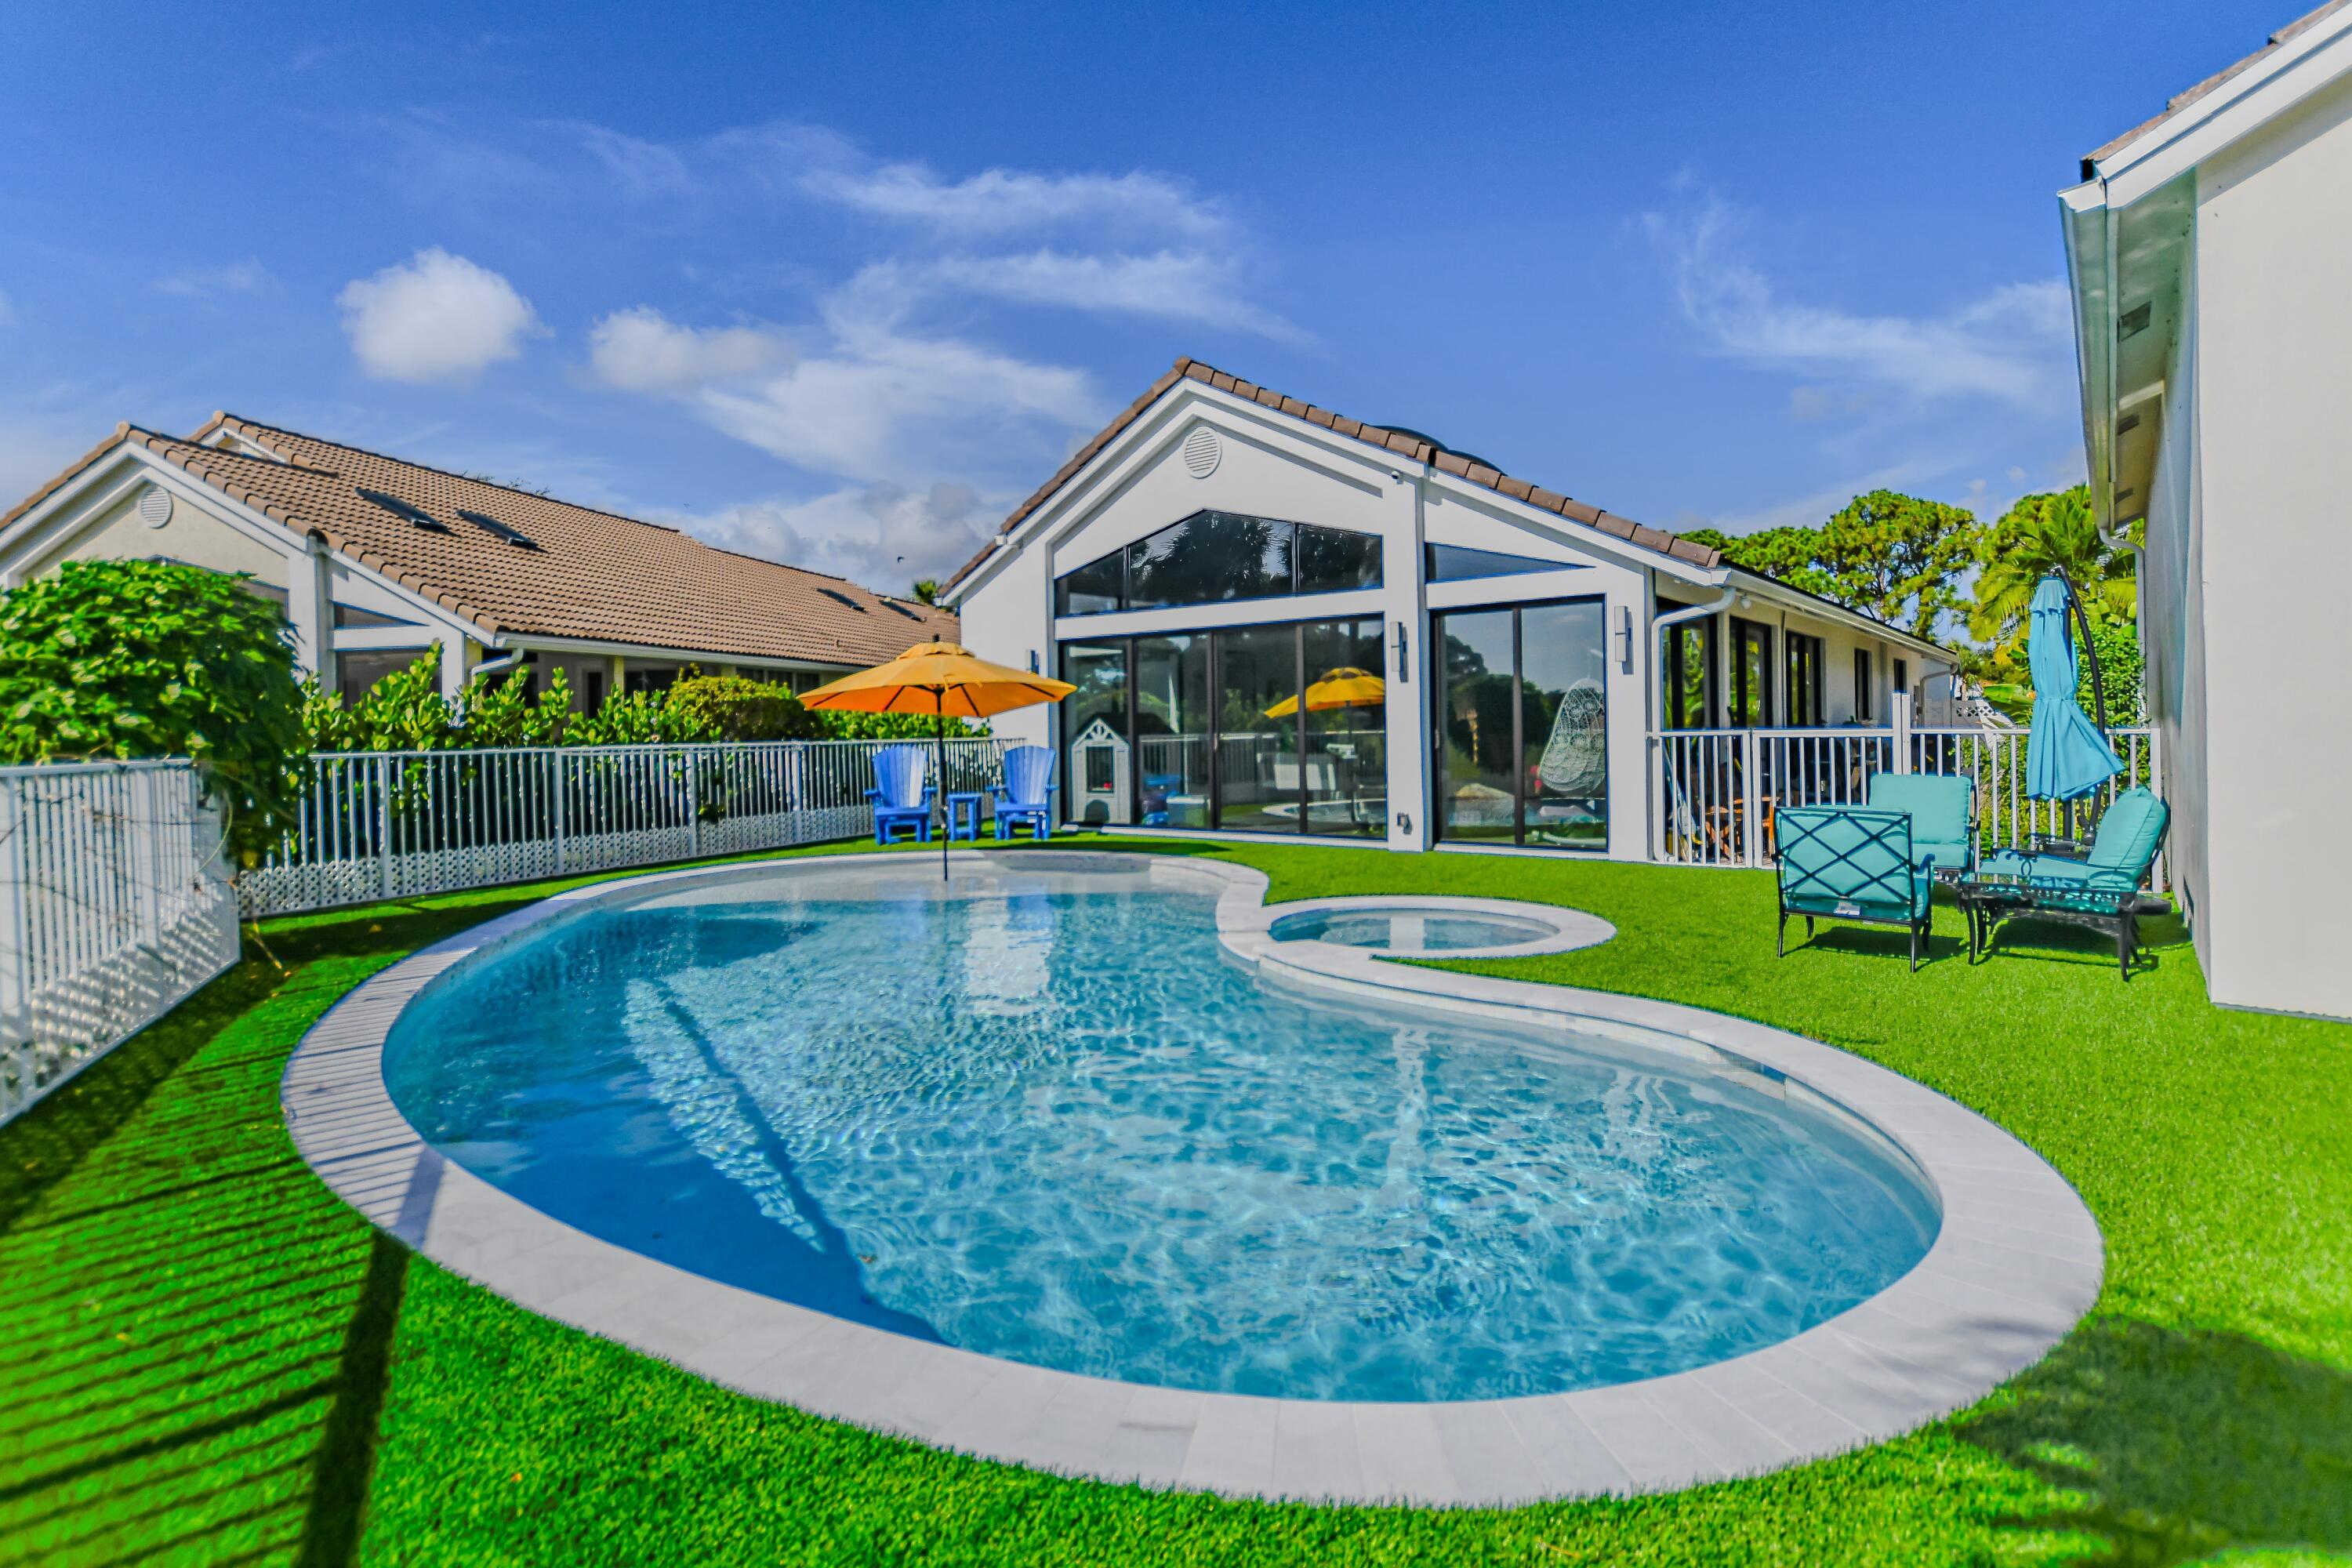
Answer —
1414 929
1043 1114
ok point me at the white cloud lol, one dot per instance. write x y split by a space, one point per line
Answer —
642 168
885 536
642 350
884 406
246 277
1009 201
1183 286
434 318
2013 346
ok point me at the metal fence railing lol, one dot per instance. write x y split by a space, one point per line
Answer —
115 903
1717 789
381 825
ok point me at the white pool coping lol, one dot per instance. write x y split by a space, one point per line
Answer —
2016 1264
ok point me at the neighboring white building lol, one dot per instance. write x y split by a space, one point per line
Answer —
376 560
1221 549
2211 251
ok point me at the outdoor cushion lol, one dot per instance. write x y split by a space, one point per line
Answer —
1938 804
1840 860
2130 832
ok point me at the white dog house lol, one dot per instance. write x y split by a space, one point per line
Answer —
1280 620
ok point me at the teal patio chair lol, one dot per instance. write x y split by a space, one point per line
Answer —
2095 884
1943 811
1848 863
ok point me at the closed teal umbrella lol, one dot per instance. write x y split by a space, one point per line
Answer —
2066 756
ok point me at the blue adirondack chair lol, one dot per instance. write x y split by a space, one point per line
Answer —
1027 793
1838 862
901 793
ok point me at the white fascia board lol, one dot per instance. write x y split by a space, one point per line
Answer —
2088 227
1576 535
1357 604
2301 66
361 639
105 481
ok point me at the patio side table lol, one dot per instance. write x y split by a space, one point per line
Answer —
963 814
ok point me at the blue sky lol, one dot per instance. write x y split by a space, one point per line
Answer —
839 285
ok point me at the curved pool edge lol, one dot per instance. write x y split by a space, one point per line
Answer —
2017 1262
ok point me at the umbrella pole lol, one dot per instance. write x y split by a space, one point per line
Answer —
946 821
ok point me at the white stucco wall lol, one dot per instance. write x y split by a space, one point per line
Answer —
2272 388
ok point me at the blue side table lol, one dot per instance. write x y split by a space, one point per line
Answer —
963 814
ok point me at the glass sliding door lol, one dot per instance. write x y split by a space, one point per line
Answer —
1346 729
1522 720
1174 723
1259 729
1478 725
1098 773
1564 760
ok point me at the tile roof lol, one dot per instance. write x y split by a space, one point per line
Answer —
1420 448
2183 99
588 574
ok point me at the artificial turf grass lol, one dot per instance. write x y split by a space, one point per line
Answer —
2205 1407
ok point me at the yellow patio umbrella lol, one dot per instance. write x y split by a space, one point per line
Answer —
944 679
1347 688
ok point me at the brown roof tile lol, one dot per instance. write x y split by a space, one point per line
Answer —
593 575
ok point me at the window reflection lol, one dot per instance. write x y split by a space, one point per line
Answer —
1173 723
1099 768
1346 702
1214 557
1522 706
1258 729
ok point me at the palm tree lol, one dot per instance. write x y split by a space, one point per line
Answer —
2040 535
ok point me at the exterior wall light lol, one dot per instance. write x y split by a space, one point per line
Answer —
1404 665
1625 638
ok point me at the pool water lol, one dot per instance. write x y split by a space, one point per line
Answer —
1057 1125
1408 929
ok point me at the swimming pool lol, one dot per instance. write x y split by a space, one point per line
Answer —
1043 1115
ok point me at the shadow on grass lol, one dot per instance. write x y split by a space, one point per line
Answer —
197 1335
2181 1443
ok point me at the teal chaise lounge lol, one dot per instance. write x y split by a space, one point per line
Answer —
2095 884
1943 811
1849 863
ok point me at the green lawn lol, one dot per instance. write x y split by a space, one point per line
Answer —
206 1357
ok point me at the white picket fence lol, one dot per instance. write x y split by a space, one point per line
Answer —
1717 789
115 903
381 825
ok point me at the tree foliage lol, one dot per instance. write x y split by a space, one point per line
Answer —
405 712
1893 557
151 659
2040 535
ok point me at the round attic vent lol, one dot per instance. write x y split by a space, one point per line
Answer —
154 506
1201 451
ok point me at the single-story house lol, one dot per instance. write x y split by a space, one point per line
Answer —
1282 620
376 559
2208 254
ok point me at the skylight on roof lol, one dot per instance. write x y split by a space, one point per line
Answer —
400 509
895 605
507 532
838 594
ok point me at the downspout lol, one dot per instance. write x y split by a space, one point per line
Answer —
1658 664
498 666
